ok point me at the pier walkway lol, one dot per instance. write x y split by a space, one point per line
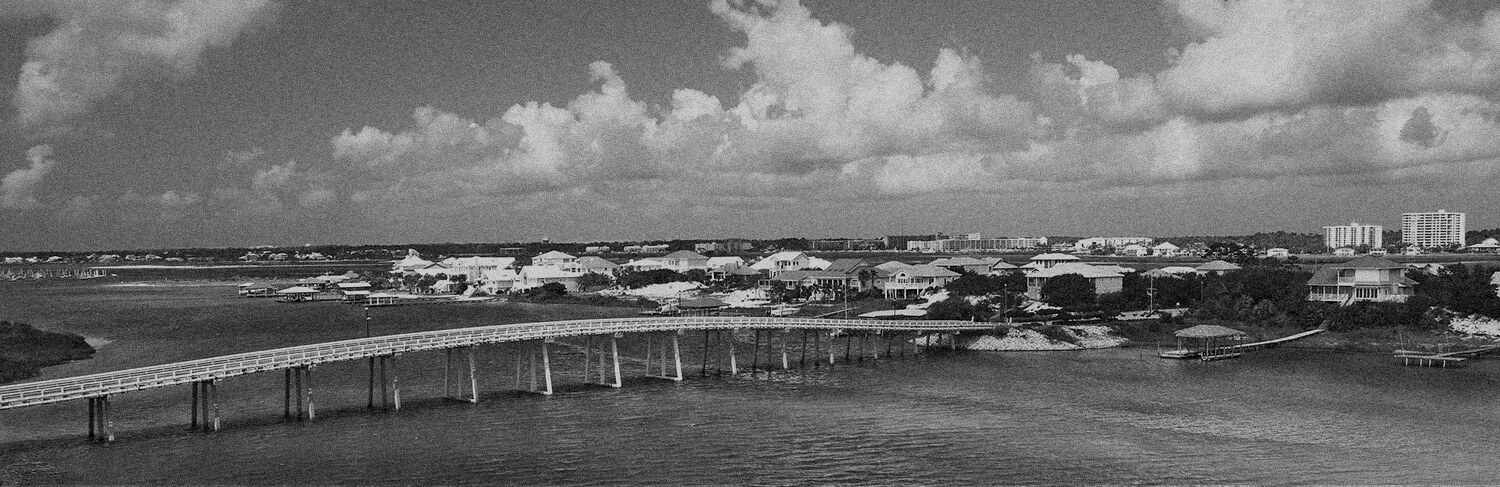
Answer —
600 340
1446 359
1273 343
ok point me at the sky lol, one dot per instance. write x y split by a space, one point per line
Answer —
193 123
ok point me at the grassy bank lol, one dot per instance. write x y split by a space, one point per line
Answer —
24 350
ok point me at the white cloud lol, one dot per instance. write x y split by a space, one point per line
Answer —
96 46
18 189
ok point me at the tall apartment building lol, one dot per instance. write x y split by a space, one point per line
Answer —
1352 235
1433 229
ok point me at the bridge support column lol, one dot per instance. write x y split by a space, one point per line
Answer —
874 345
370 399
447 371
473 378
106 425
588 358
676 356
307 375
286 398
734 366
704 371
614 352
755 354
91 418
848 345
803 362
953 340
297 374
546 360
194 423
213 387
831 346
784 334
395 384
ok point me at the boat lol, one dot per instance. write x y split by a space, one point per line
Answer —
1179 354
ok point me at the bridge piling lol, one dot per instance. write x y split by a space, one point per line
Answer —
193 424
395 384
802 363
546 366
447 368
370 396
473 378
676 356
704 371
297 381
91 418
784 361
734 366
214 387
385 392
831 346
614 352
307 373
755 354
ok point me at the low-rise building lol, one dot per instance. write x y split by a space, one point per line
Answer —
962 265
912 281
1216 267
534 276
1105 279
1367 278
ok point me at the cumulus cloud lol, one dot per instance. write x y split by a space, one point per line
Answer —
97 46
18 189
1263 55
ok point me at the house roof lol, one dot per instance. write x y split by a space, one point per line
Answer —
685 254
500 275
794 276
1208 331
595 262
847 266
353 285
1367 262
1218 265
1085 270
1166 246
743 271
926 270
548 272
554 255
892 266
298 290
957 261
1329 276
1003 266
770 260
723 261
1054 257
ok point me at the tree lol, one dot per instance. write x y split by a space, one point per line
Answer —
594 280
1068 290
958 308
555 289
975 285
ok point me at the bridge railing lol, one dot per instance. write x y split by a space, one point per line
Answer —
69 388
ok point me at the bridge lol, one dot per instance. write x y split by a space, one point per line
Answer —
663 352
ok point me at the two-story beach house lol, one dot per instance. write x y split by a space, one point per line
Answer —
1367 278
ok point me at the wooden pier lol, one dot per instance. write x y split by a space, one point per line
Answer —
1444 360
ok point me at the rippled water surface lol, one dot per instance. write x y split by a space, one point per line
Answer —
1112 416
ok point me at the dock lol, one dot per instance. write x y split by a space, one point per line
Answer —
1444 360
1234 351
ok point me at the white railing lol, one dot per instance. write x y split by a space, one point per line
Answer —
150 377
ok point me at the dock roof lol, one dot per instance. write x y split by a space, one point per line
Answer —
1208 331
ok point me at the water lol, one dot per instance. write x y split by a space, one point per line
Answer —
1111 416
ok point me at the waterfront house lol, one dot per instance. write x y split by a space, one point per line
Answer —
962 265
1216 267
597 265
720 268
1047 261
862 273
1343 252
1170 271
999 266
1367 278
498 280
816 280
552 258
642 265
473 267
257 290
533 276
787 261
1489 245
910 282
653 249
1105 279
596 249
410 263
684 260
1278 252
1165 249
1135 250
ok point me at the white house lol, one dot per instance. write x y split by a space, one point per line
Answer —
1135 250
498 281
552 258
780 262
1216 267
596 265
1105 280
912 281
1278 252
473 267
536 275
1047 261
1367 278
1165 249
641 265
1343 252
962 264
684 260
412 262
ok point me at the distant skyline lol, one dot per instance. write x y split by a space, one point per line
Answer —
162 124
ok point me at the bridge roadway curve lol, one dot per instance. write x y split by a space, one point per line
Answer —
150 377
